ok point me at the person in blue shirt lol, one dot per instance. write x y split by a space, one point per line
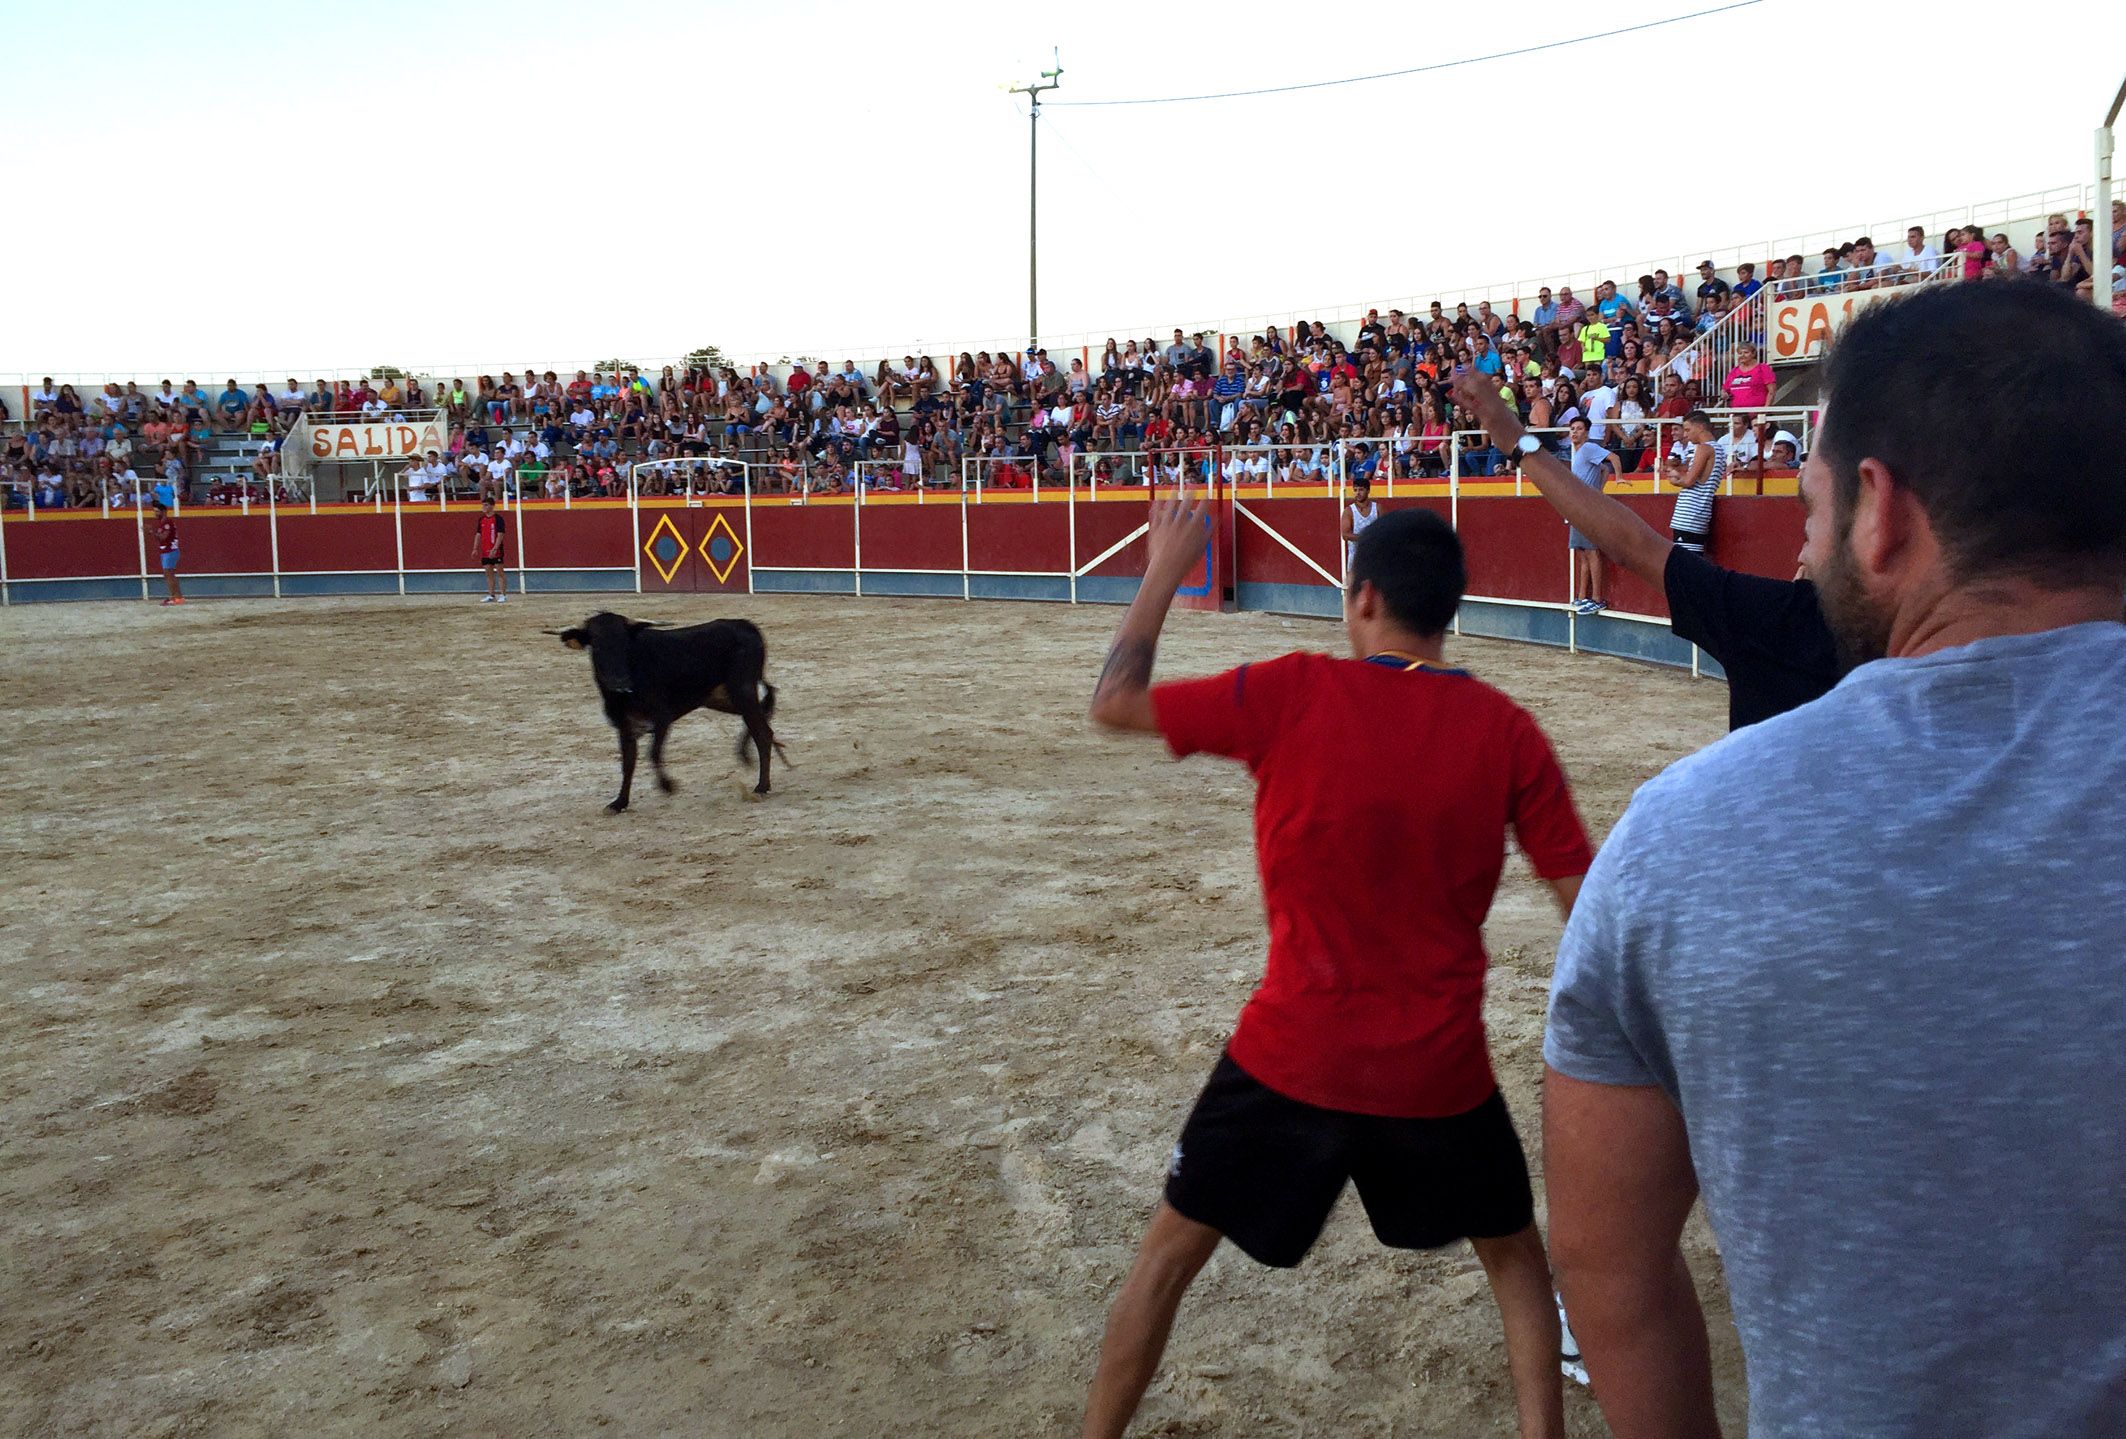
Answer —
1487 359
233 404
1546 309
1746 281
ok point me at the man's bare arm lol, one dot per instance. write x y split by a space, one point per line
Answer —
1617 1165
1611 525
1122 700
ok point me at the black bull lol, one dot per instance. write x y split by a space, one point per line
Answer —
650 676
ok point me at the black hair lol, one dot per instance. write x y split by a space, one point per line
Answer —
2002 408
1414 559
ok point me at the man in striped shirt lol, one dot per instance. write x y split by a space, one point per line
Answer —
1696 474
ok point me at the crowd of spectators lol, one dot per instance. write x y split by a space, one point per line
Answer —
1278 404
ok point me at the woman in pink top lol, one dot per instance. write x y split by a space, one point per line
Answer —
1749 386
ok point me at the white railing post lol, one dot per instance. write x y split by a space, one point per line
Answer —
745 476
273 531
856 510
398 530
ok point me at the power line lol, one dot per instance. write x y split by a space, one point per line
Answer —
1415 69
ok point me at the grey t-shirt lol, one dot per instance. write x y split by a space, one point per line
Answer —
1875 951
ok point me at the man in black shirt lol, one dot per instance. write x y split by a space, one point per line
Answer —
1769 635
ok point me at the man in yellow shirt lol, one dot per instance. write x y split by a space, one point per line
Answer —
1594 340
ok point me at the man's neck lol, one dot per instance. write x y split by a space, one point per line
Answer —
1995 608
1394 640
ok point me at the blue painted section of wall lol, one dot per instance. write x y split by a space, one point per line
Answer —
1515 622
30 592
1021 587
1633 640
222 586
804 582
1106 589
458 582
911 584
579 581
340 584
1284 599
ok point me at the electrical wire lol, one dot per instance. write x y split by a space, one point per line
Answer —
1413 70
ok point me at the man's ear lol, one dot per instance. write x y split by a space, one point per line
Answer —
1887 520
573 638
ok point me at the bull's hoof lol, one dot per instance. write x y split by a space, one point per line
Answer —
666 784
759 791
616 806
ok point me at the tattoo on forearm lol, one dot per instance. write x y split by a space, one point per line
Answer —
1129 665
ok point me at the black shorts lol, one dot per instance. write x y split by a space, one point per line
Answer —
1265 1171
493 560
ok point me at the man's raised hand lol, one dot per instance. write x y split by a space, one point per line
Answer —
1175 537
1477 396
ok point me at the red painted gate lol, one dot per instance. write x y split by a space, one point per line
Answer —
696 548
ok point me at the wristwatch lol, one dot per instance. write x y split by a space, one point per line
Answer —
1525 446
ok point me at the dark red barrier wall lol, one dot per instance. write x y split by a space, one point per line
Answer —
1760 536
912 537
1515 549
440 540
1100 525
812 537
1515 545
1033 539
336 543
69 548
225 542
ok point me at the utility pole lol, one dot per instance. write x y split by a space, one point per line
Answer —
1050 80
2100 230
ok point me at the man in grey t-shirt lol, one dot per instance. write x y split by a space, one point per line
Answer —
1594 467
1858 973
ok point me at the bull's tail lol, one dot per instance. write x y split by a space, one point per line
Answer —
745 737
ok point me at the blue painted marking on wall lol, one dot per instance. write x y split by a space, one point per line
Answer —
1198 592
720 549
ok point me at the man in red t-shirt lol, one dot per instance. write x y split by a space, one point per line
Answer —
487 553
1385 785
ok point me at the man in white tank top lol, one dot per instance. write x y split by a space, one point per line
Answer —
1362 510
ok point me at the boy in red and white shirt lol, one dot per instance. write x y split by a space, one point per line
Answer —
1362 1055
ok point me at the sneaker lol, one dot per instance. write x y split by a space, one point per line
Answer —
167 603
1569 1361
1583 607
501 599
1595 607
487 599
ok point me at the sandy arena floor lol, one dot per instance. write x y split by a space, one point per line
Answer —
359 1075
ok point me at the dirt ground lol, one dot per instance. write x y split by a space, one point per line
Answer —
358 1074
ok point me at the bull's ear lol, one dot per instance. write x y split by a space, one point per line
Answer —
574 638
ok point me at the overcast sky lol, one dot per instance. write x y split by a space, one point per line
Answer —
458 184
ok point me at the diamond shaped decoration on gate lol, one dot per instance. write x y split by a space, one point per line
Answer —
720 547
667 551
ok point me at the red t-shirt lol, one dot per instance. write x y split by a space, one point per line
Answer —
1382 801
490 534
166 536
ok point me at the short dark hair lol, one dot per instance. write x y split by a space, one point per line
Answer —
1414 559
2002 408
